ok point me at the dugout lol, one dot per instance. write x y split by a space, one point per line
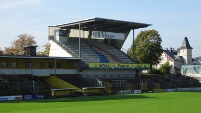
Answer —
63 92
93 90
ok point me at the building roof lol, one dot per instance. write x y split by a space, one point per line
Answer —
37 57
103 24
185 44
169 53
173 55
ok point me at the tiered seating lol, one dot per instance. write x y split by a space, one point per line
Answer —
16 85
87 54
102 57
195 76
21 84
164 82
2 80
148 82
136 83
183 81
114 54
174 81
109 56
96 52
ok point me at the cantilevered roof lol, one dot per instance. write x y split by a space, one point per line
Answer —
37 57
103 24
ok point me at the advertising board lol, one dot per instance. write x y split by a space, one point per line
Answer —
8 98
107 35
118 66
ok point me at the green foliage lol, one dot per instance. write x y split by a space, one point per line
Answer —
154 71
165 68
147 47
1 51
46 50
18 45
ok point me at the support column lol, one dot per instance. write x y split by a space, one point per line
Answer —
89 36
133 44
79 42
67 34
55 67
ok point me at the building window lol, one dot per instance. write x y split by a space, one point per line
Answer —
59 65
28 65
14 64
4 64
51 65
42 65
162 58
118 83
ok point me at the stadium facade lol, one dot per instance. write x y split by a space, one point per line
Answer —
86 57
98 43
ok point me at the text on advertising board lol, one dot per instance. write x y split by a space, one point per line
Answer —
107 35
118 66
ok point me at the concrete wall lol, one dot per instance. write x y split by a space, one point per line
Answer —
56 50
96 73
75 33
187 55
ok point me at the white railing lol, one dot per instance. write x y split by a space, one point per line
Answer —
38 72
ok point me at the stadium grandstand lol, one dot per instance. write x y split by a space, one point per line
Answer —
98 43
103 62
86 58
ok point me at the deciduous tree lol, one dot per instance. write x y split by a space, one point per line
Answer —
17 45
165 68
1 51
147 47
45 51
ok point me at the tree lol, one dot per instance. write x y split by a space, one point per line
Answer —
46 50
18 45
147 47
165 68
1 51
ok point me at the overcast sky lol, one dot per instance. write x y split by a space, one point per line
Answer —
173 19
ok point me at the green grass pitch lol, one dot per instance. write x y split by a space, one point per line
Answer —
169 102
